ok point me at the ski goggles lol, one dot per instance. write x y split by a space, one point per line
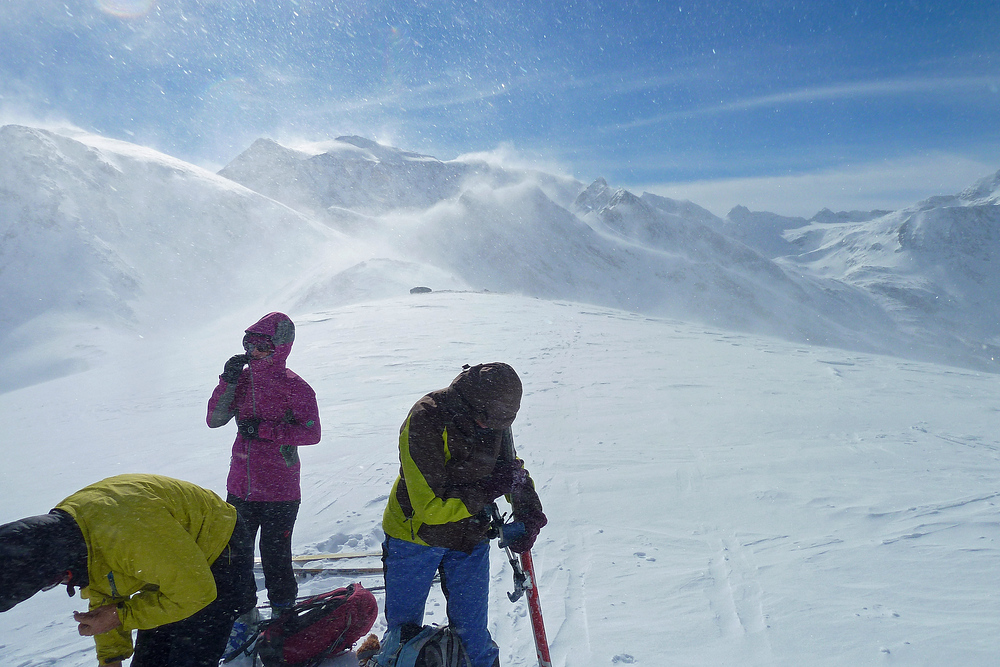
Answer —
258 342
64 579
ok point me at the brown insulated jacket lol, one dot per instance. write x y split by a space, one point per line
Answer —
446 459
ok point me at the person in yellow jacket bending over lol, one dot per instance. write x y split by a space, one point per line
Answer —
152 554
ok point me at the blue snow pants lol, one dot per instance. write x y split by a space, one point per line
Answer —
465 578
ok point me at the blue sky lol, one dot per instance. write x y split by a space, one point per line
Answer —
780 105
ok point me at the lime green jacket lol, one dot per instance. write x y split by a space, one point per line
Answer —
151 541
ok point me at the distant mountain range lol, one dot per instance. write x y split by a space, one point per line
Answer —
101 234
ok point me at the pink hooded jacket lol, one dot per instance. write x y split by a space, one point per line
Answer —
266 467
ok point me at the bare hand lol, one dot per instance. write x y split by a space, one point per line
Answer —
97 622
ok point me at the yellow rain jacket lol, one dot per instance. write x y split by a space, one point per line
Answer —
151 541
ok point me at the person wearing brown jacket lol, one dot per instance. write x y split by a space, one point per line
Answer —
452 467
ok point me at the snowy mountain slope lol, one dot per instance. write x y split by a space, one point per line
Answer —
634 218
599 195
933 265
506 234
765 232
361 175
516 239
714 499
683 210
94 230
723 281
986 191
502 231
489 228
363 221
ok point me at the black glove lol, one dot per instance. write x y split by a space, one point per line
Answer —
533 522
234 367
248 427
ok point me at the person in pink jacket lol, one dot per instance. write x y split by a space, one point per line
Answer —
275 413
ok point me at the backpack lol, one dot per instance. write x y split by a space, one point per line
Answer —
317 628
415 646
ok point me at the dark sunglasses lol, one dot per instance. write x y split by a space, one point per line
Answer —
258 342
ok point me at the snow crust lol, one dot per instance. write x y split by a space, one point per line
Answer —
759 440
714 498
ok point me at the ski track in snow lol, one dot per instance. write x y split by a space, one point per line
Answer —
736 598
713 499
570 625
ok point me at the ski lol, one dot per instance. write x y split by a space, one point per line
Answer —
535 611
525 581
307 558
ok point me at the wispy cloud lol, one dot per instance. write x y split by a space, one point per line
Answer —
458 91
844 91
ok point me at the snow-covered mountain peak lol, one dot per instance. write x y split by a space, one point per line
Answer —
372 150
265 149
595 197
623 197
366 177
985 191
828 217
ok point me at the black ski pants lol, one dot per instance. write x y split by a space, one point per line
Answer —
200 640
275 521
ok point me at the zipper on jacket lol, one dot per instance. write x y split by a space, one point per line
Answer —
253 413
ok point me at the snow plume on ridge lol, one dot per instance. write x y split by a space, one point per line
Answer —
354 173
549 178
516 239
103 236
369 178
501 229
512 239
